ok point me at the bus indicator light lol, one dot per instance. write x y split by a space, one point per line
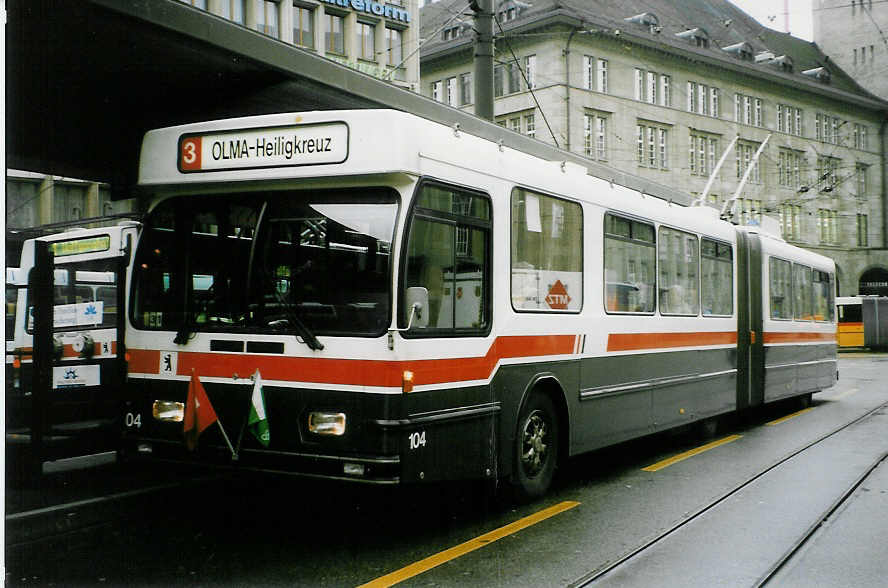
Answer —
407 382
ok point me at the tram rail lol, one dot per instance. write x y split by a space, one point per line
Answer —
593 576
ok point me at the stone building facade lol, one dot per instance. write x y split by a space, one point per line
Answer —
661 89
853 34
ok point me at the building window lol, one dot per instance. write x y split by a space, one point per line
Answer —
394 40
366 41
437 89
233 10
750 211
826 128
653 146
452 91
602 76
702 99
828 225
745 152
465 89
789 120
547 253
701 154
748 110
861 173
530 125
862 231
452 33
595 136
789 166
665 90
514 124
267 18
860 139
506 79
303 27
827 173
202 4
595 74
651 87
530 71
790 221
334 36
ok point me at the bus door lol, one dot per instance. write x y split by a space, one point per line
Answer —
750 344
70 391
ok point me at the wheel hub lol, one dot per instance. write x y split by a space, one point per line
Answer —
534 444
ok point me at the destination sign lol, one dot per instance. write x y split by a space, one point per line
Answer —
78 246
268 147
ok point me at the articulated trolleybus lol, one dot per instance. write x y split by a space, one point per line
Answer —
438 307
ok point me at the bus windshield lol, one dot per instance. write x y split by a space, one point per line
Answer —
318 260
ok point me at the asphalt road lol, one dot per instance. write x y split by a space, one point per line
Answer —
271 530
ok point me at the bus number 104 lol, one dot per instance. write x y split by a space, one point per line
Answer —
417 440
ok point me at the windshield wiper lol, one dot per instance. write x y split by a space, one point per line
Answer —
304 333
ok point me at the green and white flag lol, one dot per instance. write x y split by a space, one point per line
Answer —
257 421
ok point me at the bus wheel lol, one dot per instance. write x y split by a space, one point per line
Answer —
536 447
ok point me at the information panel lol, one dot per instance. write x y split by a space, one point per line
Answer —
295 145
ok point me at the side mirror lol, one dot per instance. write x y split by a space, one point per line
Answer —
417 300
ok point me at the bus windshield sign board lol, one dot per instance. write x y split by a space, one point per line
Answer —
286 146
79 246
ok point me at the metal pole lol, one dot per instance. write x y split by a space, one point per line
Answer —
40 294
483 58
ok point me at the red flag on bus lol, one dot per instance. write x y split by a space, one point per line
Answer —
199 413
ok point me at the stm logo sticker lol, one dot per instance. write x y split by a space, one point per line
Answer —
557 298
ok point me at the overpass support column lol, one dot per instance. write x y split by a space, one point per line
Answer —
93 202
45 200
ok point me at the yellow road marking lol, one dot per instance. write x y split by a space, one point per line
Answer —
683 456
790 416
454 552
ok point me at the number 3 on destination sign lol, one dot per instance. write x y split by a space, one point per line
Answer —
190 154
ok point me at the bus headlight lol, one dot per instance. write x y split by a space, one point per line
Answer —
326 423
168 411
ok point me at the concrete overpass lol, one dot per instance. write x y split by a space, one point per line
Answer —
86 78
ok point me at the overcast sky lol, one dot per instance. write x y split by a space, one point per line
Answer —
771 13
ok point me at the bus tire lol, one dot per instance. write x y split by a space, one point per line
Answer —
536 447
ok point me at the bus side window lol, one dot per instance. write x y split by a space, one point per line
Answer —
629 262
780 286
448 255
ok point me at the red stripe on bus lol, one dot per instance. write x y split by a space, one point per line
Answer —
638 341
67 351
359 372
798 337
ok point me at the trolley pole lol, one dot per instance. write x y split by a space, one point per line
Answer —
483 58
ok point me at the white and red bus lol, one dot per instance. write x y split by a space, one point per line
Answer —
83 366
429 305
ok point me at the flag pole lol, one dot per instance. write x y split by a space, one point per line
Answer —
233 452
240 437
